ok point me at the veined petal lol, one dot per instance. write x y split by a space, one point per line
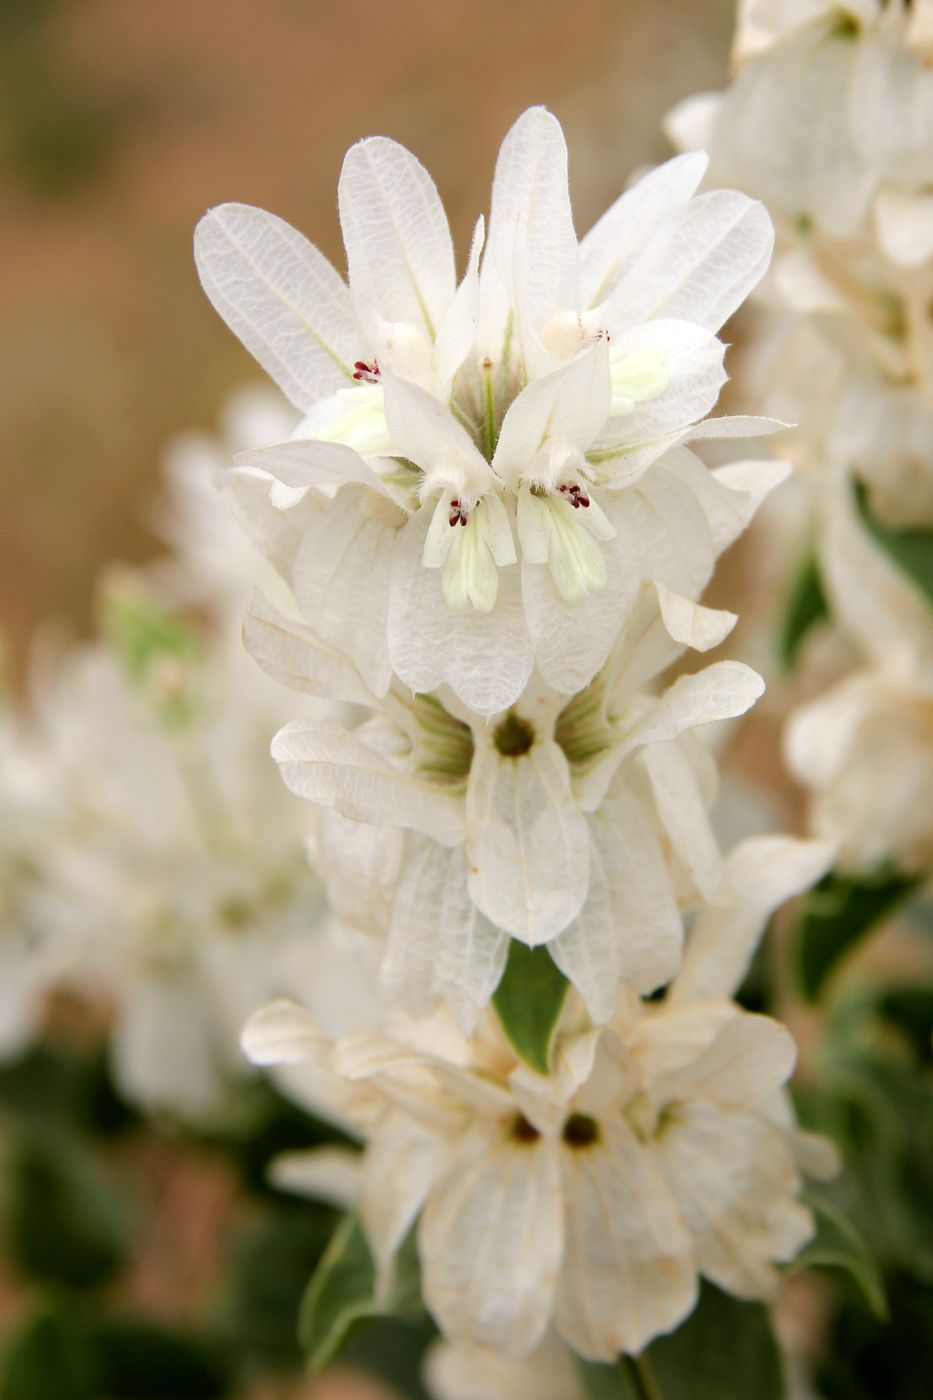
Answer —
568 540
531 236
568 406
616 239
399 251
490 1241
720 691
700 268
341 578
303 463
665 375
439 945
761 872
427 433
456 334
323 763
528 843
628 1272
292 655
401 1165
281 297
629 927
485 658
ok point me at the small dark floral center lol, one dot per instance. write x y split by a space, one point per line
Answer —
573 492
366 371
514 736
459 515
523 1131
580 1130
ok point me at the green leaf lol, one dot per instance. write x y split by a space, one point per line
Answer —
839 911
529 1000
911 550
342 1293
839 1248
49 1359
65 1222
806 606
724 1351
270 1270
139 1360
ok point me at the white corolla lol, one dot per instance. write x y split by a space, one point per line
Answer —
494 460
581 825
657 1148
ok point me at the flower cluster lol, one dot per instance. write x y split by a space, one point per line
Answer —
830 121
491 530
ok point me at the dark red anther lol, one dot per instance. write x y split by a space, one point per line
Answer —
575 493
458 512
366 372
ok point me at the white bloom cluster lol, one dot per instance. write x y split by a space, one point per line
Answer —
491 532
830 121
150 855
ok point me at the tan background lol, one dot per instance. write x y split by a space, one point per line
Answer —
121 120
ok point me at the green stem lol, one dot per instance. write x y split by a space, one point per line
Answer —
489 405
641 1377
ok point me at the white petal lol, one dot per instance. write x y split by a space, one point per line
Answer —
402 1163
399 253
292 655
323 763
683 815
700 268
569 406
904 222
456 334
427 433
628 1273
528 843
692 625
341 579
439 944
283 1033
619 236
360 867
689 365
281 297
490 1242
720 691
331 1174
301 462
762 872
485 658
733 1176
629 927
747 1060
531 236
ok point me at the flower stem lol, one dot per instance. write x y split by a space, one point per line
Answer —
641 1377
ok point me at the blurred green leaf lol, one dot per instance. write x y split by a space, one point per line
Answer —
65 1223
911 550
724 1351
64 1089
529 1000
342 1293
49 1359
806 606
837 1247
839 911
393 1351
137 1359
864 1359
270 1269
910 1009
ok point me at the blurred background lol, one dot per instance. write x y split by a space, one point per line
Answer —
120 123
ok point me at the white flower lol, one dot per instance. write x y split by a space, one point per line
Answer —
657 1148
575 825
485 449
474 1373
179 869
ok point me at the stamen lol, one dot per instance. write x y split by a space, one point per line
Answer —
459 513
366 371
575 494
